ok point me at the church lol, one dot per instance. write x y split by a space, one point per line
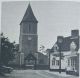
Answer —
28 39
27 55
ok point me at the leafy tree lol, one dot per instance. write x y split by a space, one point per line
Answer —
7 50
42 49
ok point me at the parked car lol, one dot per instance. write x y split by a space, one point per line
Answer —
5 69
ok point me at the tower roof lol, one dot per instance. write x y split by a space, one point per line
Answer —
29 16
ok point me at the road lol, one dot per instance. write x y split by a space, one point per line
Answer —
33 74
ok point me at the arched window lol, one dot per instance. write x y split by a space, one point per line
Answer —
29 28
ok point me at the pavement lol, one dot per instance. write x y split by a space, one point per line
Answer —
62 74
36 74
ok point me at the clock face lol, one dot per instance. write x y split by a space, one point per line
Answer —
29 38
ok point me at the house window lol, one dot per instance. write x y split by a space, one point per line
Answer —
55 47
68 62
72 62
53 61
57 62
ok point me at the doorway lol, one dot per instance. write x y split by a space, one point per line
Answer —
30 62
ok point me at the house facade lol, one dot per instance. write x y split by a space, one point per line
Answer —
73 57
69 54
55 59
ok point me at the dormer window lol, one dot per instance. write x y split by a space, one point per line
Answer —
55 47
73 46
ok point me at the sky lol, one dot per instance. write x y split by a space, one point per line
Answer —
54 18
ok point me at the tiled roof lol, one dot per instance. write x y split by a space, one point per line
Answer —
29 16
66 43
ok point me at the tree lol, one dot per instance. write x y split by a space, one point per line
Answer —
42 49
7 50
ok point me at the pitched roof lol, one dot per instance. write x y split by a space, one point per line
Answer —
66 43
29 16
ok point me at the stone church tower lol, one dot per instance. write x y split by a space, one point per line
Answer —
28 39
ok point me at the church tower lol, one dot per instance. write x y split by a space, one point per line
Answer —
28 39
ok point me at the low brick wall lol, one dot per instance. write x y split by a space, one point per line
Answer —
57 70
42 67
36 67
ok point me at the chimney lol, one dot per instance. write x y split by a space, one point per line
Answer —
75 33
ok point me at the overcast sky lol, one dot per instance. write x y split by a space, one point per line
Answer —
54 18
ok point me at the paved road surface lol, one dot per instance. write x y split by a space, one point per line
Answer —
33 74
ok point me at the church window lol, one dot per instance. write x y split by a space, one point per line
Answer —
29 28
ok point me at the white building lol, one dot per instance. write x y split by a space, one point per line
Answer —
69 54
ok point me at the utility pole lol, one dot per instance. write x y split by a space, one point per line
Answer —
59 41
